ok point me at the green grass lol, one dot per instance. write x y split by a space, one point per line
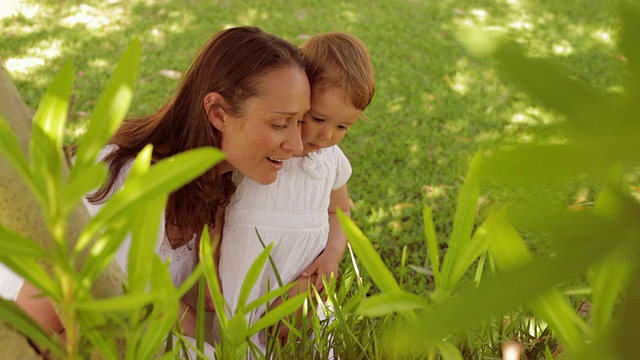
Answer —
435 104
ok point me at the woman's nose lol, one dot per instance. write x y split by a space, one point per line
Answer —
293 141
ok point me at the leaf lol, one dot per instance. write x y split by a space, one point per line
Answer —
380 274
510 288
551 84
18 245
165 176
31 271
432 244
14 316
111 108
625 339
266 298
124 303
256 269
463 222
509 251
211 274
448 351
274 315
45 148
10 149
165 311
389 303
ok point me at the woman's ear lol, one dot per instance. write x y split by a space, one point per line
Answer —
214 106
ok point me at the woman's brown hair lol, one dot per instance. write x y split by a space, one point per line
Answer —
231 64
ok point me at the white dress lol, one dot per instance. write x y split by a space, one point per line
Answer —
292 213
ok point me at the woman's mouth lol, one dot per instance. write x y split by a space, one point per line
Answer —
275 161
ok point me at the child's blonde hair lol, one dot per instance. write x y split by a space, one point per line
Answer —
342 60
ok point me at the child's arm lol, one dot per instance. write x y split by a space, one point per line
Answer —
328 261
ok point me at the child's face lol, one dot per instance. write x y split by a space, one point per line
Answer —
330 117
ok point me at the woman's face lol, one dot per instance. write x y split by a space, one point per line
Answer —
266 131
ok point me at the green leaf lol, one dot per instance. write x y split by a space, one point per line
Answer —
380 274
266 298
79 186
391 302
18 245
164 177
31 271
432 243
252 276
111 108
552 85
607 280
274 315
463 222
45 145
509 251
165 314
14 316
625 339
124 303
473 250
10 149
211 274
508 289
448 351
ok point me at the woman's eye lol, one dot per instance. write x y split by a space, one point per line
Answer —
279 126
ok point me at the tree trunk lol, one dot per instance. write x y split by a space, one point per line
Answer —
21 213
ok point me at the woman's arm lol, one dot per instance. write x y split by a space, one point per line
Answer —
39 308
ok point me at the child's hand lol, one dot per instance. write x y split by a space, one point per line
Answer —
324 265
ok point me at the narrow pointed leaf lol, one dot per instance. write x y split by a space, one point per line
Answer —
463 221
112 106
389 303
164 177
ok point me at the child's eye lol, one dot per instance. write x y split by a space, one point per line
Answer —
342 127
318 120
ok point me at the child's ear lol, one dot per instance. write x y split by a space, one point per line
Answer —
215 105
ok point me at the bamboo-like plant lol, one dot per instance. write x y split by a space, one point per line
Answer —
67 269
599 136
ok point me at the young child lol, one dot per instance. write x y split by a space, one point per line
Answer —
298 211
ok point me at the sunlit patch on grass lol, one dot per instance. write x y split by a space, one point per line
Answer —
89 17
533 116
602 36
435 191
480 14
252 16
9 8
562 49
23 66
459 83
521 24
98 64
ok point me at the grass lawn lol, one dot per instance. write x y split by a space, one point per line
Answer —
435 104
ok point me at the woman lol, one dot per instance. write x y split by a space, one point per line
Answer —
245 94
